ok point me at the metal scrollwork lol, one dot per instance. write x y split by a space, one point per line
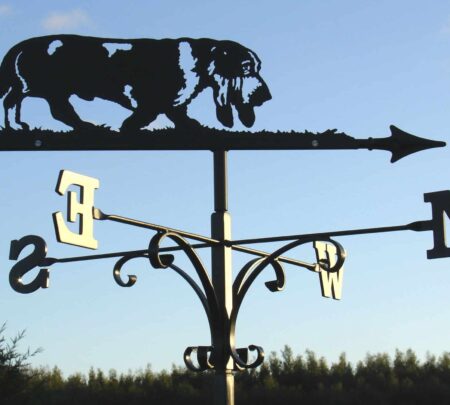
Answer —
242 283
240 357
118 268
248 275
203 358
207 295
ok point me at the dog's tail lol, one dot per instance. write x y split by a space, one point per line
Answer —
7 71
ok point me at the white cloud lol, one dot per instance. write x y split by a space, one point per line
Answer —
68 20
5 9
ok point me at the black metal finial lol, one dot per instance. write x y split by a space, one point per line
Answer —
402 144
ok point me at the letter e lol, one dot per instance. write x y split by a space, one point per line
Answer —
83 208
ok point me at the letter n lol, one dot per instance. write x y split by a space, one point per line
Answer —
440 205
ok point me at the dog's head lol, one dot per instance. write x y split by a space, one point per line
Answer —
234 71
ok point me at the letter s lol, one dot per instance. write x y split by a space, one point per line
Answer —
28 263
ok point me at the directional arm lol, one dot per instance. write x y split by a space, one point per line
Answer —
418 226
400 143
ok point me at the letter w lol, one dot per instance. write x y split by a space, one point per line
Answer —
330 283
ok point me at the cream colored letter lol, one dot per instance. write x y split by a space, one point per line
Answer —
83 208
330 283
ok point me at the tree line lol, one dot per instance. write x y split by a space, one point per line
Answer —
284 378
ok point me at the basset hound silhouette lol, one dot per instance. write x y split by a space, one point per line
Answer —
146 76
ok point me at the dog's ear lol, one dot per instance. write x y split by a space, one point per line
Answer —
221 92
246 114
224 112
235 79
225 115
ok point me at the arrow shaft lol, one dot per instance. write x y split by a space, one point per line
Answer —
99 215
171 139
144 252
418 226
399 143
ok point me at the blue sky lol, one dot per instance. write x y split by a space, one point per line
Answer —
358 66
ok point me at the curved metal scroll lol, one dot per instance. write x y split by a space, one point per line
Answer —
207 295
244 279
162 261
247 276
132 278
203 356
240 357
200 294
118 268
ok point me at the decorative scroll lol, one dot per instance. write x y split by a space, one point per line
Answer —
240 357
157 260
248 275
203 358
163 261
242 283
118 268
207 297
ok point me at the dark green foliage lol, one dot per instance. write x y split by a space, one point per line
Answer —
378 380
141 387
15 374
283 379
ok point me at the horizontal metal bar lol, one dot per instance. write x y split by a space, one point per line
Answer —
201 138
284 259
99 215
418 226
400 143
48 261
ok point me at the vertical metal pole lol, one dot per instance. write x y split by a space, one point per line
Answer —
222 279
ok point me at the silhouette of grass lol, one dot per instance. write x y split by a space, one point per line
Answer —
169 131
198 138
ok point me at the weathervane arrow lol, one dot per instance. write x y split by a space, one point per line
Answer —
400 143
174 93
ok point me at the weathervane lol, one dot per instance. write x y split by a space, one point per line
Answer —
150 77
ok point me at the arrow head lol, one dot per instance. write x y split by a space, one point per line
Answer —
402 144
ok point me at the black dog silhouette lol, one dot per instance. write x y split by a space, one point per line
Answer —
146 76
